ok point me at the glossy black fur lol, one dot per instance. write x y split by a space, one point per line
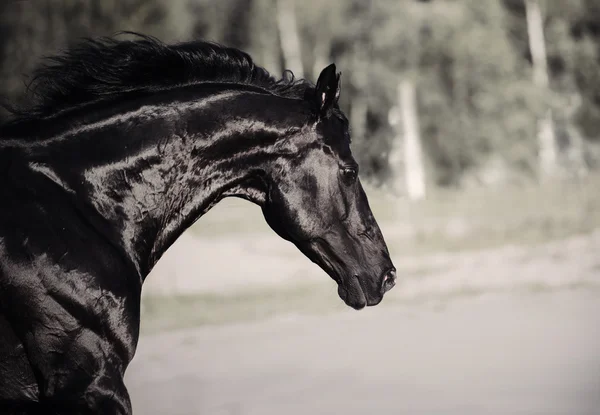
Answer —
126 144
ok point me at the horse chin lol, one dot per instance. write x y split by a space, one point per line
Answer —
352 293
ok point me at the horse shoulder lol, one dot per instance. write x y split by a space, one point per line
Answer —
66 296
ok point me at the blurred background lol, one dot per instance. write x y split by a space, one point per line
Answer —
477 127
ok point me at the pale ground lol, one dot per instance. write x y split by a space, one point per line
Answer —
506 331
501 354
253 257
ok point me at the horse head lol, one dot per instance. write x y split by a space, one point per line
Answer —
316 201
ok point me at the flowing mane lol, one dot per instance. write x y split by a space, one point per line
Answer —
102 68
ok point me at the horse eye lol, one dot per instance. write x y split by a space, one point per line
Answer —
349 173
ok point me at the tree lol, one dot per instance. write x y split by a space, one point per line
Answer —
265 44
288 34
537 46
407 122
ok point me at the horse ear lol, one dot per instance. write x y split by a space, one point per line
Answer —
327 90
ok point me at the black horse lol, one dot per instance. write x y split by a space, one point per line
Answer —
125 144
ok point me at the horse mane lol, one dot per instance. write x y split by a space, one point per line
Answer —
101 68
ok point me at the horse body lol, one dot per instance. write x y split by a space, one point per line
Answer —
93 195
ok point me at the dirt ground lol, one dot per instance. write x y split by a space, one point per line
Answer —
509 353
251 261
513 330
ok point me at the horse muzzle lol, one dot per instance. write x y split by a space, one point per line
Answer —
358 292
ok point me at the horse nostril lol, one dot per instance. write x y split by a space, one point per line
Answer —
389 280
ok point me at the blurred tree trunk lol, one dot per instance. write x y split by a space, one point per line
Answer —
288 34
270 52
577 145
537 46
413 151
321 53
268 37
321 50
359 105
407 147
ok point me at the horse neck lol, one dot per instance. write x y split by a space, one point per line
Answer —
151 171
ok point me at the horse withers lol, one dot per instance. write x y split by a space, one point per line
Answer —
125 144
